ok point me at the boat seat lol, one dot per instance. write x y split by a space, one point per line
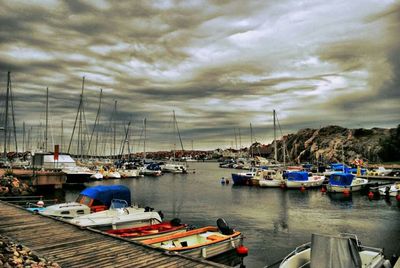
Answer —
214 237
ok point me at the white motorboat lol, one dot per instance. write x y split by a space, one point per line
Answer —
327 251
298 179
66 210
390 190
118 217
339 182
77 173
269 178
174 168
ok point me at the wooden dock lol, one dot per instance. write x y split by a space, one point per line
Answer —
72 246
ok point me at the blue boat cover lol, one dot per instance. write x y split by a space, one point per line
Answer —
297 176
341 179
106 193
339 167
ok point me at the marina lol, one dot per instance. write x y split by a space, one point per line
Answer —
273 221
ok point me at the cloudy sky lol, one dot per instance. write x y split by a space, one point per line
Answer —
220 65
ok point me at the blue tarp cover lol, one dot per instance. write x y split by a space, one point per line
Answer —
297 176
106 193
341 179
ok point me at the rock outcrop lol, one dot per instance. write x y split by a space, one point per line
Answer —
331 144
10 185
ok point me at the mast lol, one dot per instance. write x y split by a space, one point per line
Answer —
76 118
234 130
125 140
96 121
47 118
174 120
13 118
251 141
6 116
23 136
115 128
275 145
144 142
62 136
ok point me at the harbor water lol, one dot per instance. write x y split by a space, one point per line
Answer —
273 221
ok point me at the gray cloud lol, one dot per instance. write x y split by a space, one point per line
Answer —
219 64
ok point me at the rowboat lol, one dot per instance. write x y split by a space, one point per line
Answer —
344 250
150 231
203 242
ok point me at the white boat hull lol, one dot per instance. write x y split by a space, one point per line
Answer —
356 185
215 249
271 183
314 181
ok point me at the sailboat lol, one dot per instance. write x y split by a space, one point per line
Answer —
174 167
272 178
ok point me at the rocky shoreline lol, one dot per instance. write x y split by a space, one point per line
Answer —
17 255
11 186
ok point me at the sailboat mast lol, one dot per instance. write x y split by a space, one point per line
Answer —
6 116
251 141
77 114
23 136
115 128
144 142
13 118
47 118
62 136
96 121
275 145
174 122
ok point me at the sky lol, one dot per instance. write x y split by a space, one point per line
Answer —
220 65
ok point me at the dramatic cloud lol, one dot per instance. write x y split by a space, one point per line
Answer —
220 65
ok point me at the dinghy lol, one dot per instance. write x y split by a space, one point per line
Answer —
327 251
204 242
151 231
390 190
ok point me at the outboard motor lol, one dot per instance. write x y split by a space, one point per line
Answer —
161 214
223 227
176 222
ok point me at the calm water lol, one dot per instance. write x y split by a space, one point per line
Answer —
273 221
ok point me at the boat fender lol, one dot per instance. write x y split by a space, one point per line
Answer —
398 197
242 251
223 227
176 222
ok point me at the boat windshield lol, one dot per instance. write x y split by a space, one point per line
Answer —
118 203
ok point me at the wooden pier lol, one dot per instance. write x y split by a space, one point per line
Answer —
72 246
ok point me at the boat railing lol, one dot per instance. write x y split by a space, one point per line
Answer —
297 250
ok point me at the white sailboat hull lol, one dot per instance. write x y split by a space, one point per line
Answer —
314 181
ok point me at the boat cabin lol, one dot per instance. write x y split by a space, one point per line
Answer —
297 176
341 179
100 197
66 210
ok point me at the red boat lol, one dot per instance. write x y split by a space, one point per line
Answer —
150 231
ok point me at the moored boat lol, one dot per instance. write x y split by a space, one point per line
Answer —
270 178
326 251
243 178
340 182
390 190
204 242
151 231
298 179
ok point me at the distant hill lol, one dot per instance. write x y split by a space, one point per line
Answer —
327 144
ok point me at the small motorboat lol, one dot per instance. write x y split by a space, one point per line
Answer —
151 231
269 178
339 182
244 178
298 179
390 190
119 216
174 168
203 243
91 199
327 251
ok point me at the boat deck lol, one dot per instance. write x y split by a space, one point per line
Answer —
72 246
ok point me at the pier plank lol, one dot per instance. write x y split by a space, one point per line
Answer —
72 246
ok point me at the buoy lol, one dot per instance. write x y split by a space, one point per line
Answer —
226 181
242 251
283 186
346 192
370 195
40 203
323 189
302 188
222 180
398 197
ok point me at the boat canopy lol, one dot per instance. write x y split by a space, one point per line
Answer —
297 176
334 251
106 193
341 179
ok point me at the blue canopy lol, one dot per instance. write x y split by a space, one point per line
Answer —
106 193
339 167
297 176
341 179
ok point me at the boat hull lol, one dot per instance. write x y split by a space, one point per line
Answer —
314 182
354 187
242 178
271 183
